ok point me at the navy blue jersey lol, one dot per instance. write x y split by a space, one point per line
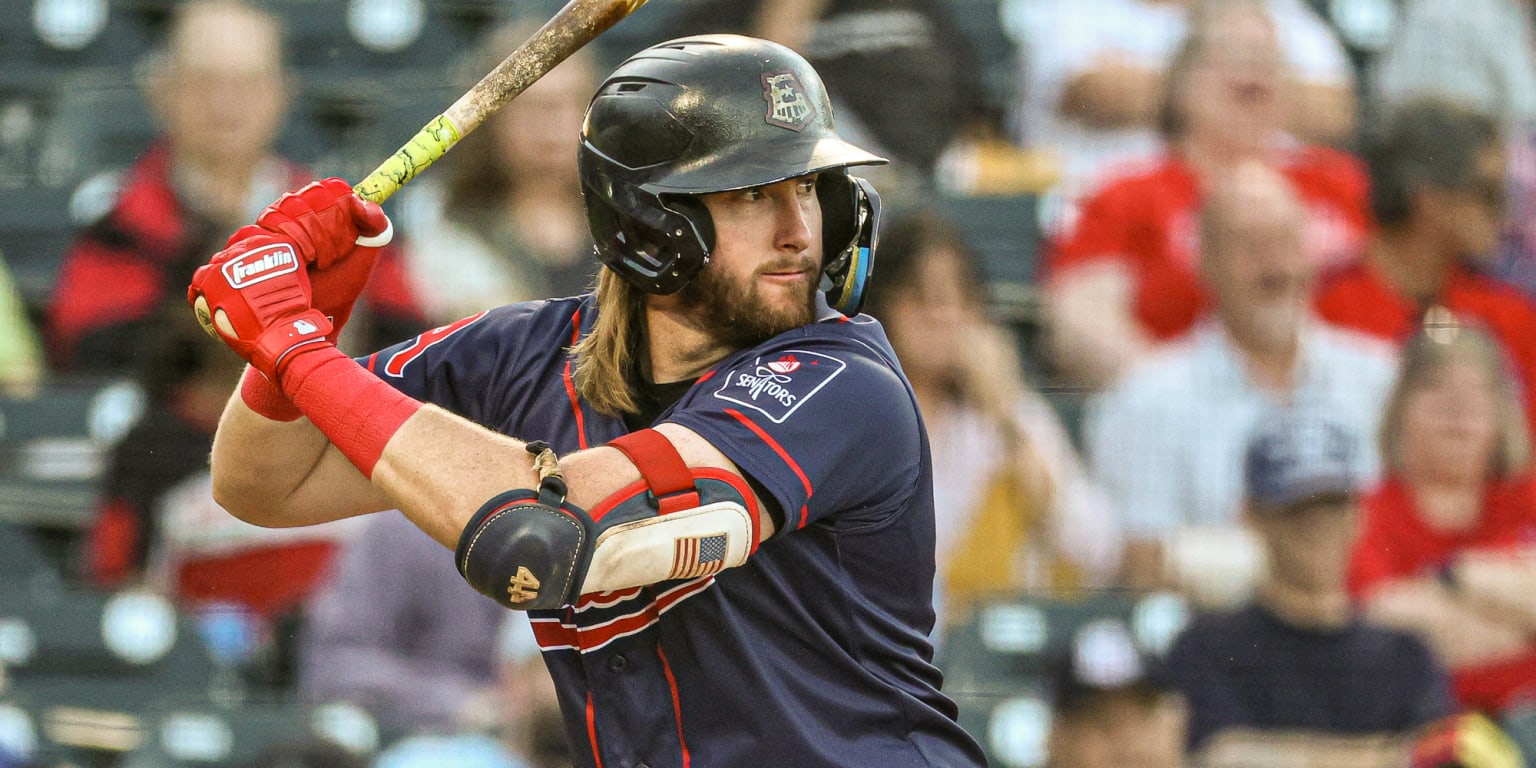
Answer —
813 653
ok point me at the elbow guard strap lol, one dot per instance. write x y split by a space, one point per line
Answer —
534 550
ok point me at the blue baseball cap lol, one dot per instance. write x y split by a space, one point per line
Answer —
1296 457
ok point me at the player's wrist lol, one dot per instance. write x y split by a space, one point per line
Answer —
265 398
354 409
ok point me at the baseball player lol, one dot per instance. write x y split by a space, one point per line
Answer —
707 481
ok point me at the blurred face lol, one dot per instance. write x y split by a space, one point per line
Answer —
1309 546
222 95
762 278
1473 216
1120 729
1450 426
534 132
1256 264
1232 94
924 318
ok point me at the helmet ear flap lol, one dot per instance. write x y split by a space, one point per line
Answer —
850 223
659 247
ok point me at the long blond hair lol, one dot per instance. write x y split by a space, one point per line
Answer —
605 360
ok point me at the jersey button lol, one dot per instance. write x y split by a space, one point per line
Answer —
617 664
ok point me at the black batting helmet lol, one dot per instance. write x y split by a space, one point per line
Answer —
710 114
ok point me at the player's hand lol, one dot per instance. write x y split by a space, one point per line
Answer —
337 234
255 297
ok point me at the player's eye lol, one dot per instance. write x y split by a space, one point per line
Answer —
752 193
806 186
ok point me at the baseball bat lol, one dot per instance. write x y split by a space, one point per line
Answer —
572 27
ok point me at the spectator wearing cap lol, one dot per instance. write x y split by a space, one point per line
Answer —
1296 677
1112 707
1167 442
1448 549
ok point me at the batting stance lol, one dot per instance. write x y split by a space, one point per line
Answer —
722 527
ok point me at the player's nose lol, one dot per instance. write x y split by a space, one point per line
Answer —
793 223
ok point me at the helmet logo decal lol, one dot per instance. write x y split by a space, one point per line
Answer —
788 105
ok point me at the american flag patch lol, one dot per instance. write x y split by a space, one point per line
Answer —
696 556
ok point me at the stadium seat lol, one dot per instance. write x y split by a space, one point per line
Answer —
53 446
43 38
79 142
177 729
1004 232
35 229
998 664
25 564
378 37
979 23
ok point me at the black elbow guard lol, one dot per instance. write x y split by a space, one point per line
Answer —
533 550
526 550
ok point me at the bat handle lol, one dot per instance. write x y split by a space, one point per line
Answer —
430 143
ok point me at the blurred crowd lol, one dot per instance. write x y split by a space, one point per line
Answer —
1278 359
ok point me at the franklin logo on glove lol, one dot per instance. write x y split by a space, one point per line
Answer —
260 265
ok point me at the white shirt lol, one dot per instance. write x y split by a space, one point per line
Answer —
1060 40
1168 441
1474 51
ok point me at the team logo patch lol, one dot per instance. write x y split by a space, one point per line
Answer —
788 105
776 386
260 264
304 326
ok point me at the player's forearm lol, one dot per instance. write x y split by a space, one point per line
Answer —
439 469
259 464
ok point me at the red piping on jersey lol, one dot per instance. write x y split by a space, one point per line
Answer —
705 377
570 385
397 362
677 706
373 360
779 449
592 732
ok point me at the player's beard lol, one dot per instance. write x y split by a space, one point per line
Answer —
739 314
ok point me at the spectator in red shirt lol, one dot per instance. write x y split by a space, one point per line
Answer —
1449 542
218 89
1438 195
1123 277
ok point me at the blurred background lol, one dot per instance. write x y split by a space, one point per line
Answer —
1220 314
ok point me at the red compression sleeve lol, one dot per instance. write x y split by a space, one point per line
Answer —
352 407
265 398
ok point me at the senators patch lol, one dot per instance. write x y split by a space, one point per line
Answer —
777 385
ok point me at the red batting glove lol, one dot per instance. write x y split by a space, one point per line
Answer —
323 222
255 297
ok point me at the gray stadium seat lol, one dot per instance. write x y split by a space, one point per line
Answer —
997 665
53 449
